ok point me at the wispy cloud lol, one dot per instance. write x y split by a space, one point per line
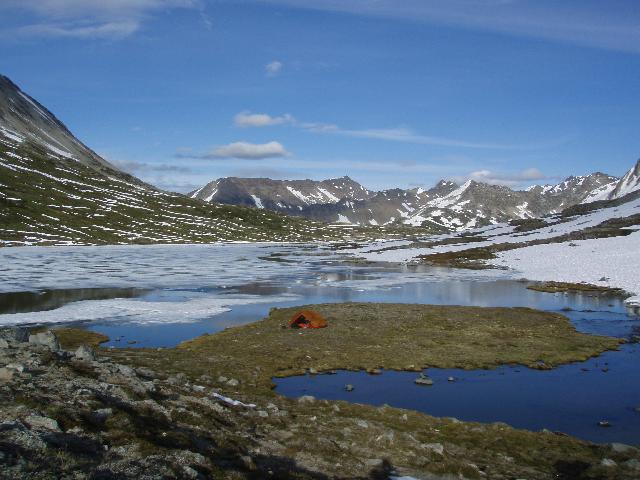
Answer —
241 150
90 18
133 166
273 68
506 179
248 119
610 25
398 134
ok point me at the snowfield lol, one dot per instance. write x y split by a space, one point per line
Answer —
608 262
614 259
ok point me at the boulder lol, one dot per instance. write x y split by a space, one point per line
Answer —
46 339
42 423
622 448
6 374
423 380
15 334
306 399
85 352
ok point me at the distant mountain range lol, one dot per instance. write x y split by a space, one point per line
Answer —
445 206
54 190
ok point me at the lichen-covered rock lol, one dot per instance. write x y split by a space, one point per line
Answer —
46 339
86 353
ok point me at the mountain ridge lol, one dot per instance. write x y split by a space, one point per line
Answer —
446 205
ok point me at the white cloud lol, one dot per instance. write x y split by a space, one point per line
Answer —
247 151
248 119
506 179
273 68
89 18
398 134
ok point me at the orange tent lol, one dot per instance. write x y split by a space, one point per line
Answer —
307 319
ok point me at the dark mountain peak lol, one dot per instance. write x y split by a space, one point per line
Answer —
24 119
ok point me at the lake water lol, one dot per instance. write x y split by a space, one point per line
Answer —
158 296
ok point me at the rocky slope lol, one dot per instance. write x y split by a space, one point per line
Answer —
55 190
445 206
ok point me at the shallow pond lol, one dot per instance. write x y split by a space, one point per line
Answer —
158 296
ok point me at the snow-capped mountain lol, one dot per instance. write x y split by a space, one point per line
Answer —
629 183
446 206
55 190
283 195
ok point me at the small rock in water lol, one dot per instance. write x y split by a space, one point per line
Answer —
349 387
313 371
423 380
604 423
637 409
374 371
451 379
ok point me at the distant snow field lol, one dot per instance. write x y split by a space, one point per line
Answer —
608 262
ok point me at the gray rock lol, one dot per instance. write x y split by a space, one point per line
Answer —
46 339
16 334
4 343
146 373
262 413
42 423
435 447
101 415
18 367
125 370
222 379
349 387
233 382
6 374
423 380
85 352
306 399
633 464
622 448
607 462
362 423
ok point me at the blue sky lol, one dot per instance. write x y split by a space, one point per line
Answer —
392 93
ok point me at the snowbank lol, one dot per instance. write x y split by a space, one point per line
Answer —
608 262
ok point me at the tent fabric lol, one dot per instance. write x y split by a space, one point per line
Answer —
307 319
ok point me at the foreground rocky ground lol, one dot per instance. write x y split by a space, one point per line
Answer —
205 409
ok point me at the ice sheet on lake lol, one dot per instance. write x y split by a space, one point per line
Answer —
138 311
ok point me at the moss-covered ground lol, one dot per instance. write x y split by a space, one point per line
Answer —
343 440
